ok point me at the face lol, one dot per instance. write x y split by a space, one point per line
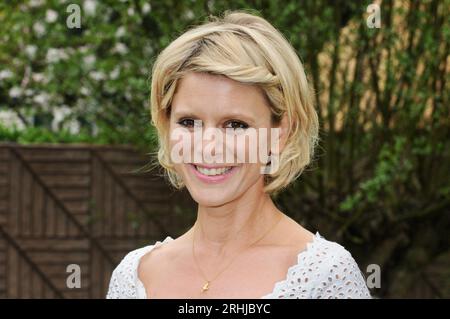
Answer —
220 105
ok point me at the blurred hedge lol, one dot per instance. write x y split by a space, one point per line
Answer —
380 183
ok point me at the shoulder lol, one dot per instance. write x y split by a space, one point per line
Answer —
124 278
325 269
335 273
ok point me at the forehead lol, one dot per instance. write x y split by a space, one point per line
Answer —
202 92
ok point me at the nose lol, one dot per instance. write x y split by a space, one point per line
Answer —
209 144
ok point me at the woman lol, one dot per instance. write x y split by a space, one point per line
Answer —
234 75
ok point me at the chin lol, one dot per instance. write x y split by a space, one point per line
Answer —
212 185
211 197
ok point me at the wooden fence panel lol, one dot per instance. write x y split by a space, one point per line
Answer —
72 204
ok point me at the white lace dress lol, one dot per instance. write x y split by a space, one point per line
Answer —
324 269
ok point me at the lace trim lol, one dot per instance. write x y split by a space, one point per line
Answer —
142 293
282 283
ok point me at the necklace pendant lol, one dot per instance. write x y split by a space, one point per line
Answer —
205 286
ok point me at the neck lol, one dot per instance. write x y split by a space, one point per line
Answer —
238 222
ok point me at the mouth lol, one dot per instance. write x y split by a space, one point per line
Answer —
213 174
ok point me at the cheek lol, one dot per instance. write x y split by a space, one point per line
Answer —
180 146
253 149
250 160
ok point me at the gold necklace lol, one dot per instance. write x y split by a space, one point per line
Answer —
207 283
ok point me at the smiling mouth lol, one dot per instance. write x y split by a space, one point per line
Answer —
216 171
213 174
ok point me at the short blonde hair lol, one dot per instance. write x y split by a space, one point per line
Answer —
248 49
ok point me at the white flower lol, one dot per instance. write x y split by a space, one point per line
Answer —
89 60
37 77
84 90
120 48
97 75
35 3
42 99
15 92
130 11
74 126
120 32
189 14
146 8
5 74
94 129
83 49
30 51
59 114
89 7
114 74
51 16
39 29
55 55
10 119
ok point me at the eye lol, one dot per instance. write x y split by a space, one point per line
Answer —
187 122
236 124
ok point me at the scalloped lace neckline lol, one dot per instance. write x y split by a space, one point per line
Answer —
142 293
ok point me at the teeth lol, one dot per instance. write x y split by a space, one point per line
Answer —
212 171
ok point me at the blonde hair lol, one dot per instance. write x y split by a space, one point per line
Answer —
248 49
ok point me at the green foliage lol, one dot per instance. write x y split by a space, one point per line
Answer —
100 73
392 167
